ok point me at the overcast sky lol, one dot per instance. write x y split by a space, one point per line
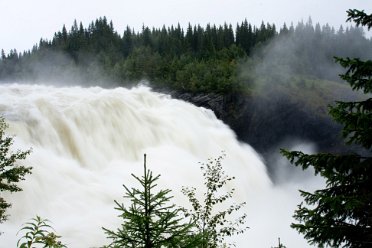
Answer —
24 22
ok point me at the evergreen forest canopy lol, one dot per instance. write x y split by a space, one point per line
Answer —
198 59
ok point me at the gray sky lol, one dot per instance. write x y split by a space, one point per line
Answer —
23 22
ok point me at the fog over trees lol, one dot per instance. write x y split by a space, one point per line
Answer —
261 76
195 59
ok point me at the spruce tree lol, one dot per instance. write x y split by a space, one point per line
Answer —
150 221
3 56
340 215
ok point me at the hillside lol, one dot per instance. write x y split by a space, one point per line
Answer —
274 115
270 85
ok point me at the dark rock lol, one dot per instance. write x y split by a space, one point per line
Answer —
266 122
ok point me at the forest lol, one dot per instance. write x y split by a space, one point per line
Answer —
212 59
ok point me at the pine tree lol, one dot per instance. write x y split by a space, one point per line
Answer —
189 37
127 42
10 172
3 56
150 222
340 215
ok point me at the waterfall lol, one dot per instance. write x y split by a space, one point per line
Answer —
86 142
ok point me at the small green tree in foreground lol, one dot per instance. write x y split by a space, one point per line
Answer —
150 221
212 224
38 233
10 173
340 215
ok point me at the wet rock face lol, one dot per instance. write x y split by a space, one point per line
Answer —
211 101
268 122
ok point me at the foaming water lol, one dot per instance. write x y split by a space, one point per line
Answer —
86 142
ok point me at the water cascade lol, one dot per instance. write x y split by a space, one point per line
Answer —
86 142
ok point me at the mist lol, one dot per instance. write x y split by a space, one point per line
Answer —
294 78
60 69
309 49
87 141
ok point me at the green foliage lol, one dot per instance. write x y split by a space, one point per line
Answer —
356 116
340 215
157 55
38 233
360 18
198 59
10 173
213 225
150 221
341 212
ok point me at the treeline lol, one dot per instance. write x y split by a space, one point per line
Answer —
198 59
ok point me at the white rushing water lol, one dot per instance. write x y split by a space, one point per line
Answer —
86 142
